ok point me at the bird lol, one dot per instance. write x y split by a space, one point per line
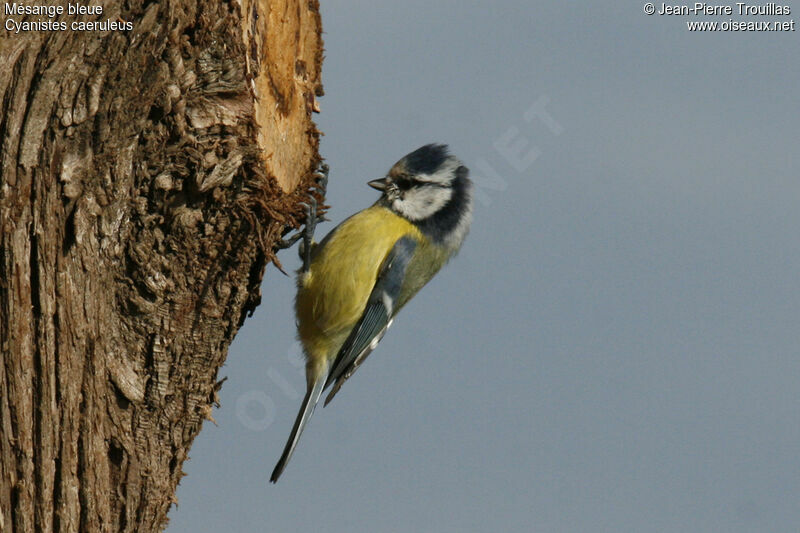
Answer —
354 282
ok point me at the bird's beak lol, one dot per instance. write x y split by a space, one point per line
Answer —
379 184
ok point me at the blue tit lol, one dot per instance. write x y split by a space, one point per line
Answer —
365 270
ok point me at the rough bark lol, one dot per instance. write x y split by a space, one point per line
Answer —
144 177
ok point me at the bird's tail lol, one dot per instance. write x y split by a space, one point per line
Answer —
306 410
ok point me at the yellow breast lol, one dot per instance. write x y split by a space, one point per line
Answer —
333 294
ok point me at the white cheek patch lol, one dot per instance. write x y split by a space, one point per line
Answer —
423 201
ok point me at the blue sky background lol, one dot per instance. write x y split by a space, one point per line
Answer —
616 348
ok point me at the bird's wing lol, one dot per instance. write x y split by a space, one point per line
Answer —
377 316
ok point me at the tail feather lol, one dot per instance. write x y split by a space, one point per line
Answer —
306 410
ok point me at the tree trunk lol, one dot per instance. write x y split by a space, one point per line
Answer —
145 175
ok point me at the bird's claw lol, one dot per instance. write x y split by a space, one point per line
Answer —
321 177
308 233
288 242
311 220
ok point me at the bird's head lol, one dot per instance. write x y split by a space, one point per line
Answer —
422 183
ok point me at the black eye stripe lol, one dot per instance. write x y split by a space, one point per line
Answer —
405 183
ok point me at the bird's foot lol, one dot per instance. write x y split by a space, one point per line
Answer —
311 220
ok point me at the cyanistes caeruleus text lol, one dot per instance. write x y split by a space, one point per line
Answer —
354 282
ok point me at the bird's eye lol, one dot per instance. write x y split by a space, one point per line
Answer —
403 183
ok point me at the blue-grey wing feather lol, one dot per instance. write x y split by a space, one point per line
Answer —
376 318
